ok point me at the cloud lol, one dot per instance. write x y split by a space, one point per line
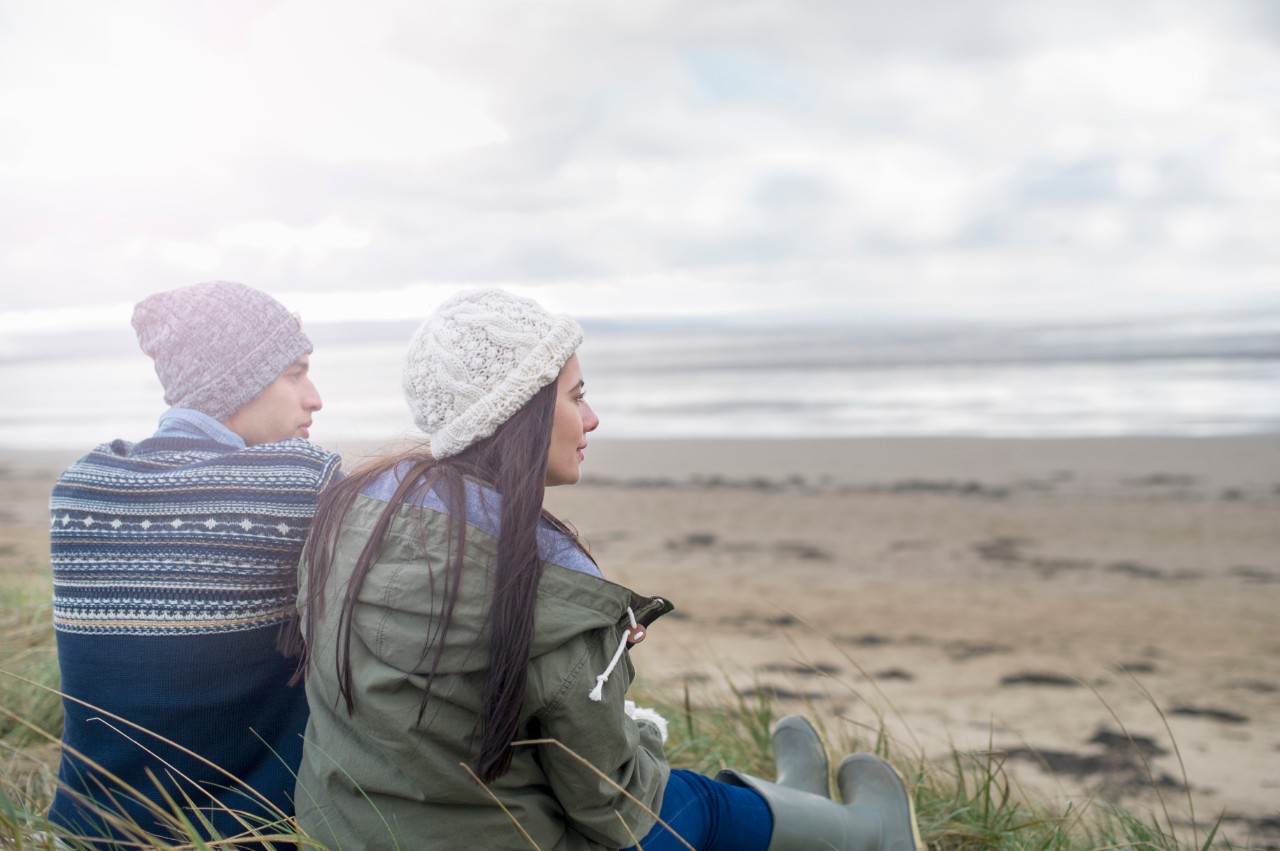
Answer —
808 155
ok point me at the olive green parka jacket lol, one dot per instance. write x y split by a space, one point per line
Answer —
383 777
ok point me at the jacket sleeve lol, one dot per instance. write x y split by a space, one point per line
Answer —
610 774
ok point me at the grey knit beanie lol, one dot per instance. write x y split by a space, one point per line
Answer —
479 358
217 345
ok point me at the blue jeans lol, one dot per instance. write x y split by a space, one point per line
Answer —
710 816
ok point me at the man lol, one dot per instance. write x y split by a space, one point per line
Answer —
175 576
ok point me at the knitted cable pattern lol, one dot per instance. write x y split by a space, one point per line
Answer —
477 360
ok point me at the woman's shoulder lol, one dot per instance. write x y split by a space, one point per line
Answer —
482 507
482 504
559 546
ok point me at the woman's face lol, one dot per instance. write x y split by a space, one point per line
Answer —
574 418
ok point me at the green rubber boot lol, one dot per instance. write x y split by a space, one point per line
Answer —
877 813
801 757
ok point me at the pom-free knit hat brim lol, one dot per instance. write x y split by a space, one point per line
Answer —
217 345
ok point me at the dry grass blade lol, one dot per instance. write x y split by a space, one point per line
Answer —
237 782
1146 764
606 778
1177 752
501 805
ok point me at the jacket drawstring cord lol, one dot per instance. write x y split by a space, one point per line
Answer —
597 693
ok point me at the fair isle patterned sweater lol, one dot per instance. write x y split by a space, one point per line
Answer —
174 568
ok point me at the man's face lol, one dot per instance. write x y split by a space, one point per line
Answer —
283 410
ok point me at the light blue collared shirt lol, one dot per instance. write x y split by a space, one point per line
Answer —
186 422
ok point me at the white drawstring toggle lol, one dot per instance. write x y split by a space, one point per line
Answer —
597 693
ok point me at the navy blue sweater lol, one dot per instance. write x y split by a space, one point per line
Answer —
174 568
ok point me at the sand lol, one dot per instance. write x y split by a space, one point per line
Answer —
1079 606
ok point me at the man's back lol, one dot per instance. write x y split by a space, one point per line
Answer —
174 567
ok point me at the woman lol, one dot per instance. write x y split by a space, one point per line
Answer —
453 628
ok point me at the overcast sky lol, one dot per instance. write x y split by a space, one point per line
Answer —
629 157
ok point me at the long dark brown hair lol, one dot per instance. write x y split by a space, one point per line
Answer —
514 461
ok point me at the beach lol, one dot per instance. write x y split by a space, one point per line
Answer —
1102 614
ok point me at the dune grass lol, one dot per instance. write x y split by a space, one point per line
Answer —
27 651
968 801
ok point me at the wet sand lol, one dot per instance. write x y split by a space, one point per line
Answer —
1050 598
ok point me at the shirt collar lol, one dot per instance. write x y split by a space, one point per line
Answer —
186 422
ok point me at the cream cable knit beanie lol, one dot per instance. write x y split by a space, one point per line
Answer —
479 358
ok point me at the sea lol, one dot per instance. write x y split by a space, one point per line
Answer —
745 378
